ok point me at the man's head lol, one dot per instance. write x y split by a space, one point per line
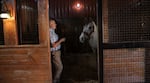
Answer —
52 24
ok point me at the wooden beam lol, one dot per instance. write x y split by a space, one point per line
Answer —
10 29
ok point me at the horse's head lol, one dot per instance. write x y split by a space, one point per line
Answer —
88 29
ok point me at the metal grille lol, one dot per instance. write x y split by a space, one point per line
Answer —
126 25
124 65
128 20
27 21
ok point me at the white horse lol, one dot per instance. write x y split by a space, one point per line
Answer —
90 34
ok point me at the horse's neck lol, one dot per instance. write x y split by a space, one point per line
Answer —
94 37
95 33
93 40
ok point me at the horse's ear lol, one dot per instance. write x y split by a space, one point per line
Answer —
85 20
92 23
90 19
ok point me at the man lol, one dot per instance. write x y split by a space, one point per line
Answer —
55 51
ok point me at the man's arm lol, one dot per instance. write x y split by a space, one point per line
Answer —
58 42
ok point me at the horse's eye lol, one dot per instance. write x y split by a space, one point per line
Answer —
91 27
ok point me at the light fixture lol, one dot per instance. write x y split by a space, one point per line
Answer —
78 6
4 12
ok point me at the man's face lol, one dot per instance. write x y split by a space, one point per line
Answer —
52 24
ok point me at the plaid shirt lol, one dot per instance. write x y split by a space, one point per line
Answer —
54 38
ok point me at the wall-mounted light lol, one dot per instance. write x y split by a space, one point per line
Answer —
4 12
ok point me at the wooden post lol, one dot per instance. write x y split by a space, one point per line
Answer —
43 21
10 29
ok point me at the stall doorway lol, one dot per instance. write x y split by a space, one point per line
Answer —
79 57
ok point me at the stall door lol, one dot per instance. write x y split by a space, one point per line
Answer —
126 39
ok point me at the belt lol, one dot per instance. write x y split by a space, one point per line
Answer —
55 50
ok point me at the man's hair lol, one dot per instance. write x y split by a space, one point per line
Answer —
51 19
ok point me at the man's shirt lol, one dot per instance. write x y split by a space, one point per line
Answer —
54 38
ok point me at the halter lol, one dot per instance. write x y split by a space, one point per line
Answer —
89 34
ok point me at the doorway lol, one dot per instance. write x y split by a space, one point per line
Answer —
79 58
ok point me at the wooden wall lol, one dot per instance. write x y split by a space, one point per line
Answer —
25 63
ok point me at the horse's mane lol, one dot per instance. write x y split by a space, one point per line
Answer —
94 26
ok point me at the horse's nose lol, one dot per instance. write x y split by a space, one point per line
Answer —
81 39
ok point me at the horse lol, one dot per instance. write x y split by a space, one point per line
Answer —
90 34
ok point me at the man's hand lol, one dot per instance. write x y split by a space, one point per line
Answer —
62 39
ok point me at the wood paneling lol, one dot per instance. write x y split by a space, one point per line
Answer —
23 56
25 64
